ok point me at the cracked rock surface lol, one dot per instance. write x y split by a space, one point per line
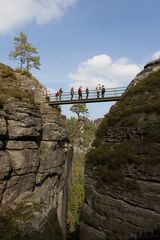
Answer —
35 162
122 184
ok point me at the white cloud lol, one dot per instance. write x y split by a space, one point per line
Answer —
102 69
156 55
16 12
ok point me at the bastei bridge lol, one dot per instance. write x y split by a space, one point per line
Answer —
111 94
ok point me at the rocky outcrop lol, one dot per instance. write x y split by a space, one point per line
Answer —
35 161
122 175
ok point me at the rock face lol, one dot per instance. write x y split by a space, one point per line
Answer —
35 161
122 176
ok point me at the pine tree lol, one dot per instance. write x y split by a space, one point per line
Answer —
25 53
19 52
79 109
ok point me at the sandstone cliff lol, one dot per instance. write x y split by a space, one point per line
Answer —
122 175
35 161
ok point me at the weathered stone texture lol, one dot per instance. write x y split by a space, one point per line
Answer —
110 210
34 165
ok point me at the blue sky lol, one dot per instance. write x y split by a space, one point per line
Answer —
84 42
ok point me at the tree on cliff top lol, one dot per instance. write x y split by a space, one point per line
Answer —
25 53
79 109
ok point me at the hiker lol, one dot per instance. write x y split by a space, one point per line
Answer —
87 93
80 93
33 91
103 91
98 90
72 92
48 94
60 93
57 95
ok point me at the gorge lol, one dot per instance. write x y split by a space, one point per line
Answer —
122 170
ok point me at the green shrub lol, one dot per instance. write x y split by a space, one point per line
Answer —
7 72
109 160
76 196
15 92
23 72
10 86
152 129
76 192
142 98
9 229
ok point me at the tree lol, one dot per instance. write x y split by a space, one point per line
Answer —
79 109
25 53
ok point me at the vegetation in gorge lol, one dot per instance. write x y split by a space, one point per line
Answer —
9 228
79 109
12 220
76 196
137 119
81 133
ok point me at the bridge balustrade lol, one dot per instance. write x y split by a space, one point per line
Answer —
66 96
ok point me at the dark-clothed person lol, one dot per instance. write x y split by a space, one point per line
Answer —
57 95
87 93
80 92
103 91
72 93
60 93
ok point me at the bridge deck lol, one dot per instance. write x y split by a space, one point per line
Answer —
111 94
91 100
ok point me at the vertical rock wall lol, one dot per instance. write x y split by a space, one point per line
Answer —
122 176
35 161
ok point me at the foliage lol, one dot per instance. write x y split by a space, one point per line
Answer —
12 220
7 72
76 196
6 93
110 160
9 229
10 86
25 53
152 128
140 100
23 72
73 129
76 192
79 109
139 109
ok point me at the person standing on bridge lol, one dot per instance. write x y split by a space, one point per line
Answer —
48 94
98 89
57 95
60 94
33 91
103 91
80 93
87 93
72 93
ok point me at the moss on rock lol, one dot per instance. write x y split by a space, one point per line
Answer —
10 86
130 133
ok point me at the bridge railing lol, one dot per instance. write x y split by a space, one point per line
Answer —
66 96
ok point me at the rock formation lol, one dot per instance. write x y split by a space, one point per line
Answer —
35 161
122 175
